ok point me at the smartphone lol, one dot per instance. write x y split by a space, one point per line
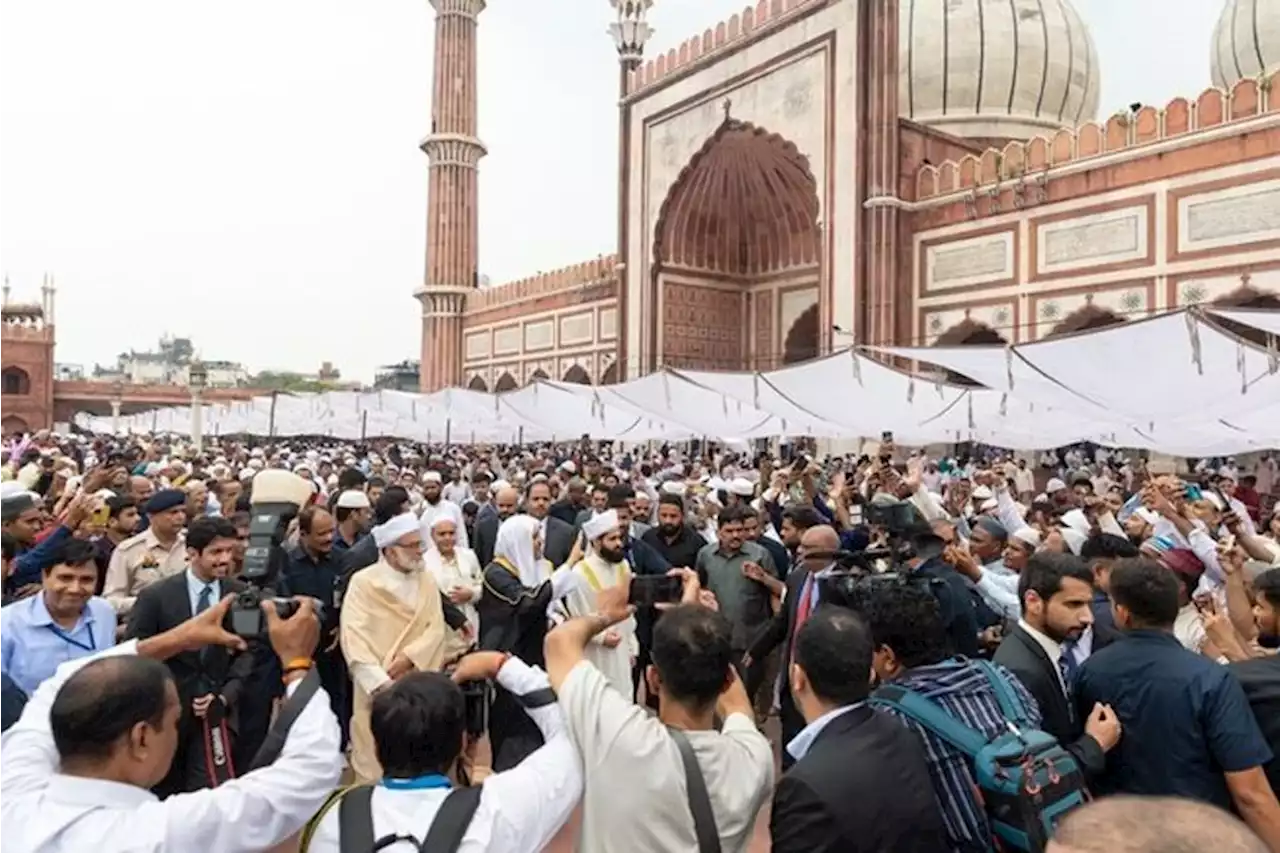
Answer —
648 590
101 515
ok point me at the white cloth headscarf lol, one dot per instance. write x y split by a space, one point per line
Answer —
515 545
388 534
599 525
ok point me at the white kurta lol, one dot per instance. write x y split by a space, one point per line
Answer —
614 662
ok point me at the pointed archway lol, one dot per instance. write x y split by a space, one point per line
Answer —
477 383
1086 318
536 375
610 375
506 382
578 375
802 342
743 209
968 332
14 425
1246 297
15 380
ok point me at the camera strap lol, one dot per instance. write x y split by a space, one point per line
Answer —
448 826
537 698
704 819
289 712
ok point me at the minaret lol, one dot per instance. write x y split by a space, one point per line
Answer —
452 216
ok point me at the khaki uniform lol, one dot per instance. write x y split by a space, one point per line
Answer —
138 562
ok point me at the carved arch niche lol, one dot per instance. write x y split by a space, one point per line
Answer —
968 332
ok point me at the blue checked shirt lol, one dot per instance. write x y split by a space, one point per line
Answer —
960 688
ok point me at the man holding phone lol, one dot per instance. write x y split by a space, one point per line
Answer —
614 650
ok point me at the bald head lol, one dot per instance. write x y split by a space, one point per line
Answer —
821 537
1152 825
506 500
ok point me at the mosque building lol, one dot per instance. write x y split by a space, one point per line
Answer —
814 173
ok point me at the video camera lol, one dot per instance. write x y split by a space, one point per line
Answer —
275 500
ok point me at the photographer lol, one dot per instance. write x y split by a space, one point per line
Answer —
647 777
75 770
419 728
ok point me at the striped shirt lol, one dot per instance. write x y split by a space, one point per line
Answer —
961 689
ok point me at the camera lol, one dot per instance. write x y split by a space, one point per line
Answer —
899 517
476 696
276 497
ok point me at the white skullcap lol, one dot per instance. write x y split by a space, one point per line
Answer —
432 477
1029 535
741 487
247 473
443 518
499 485
674 487
1054 485
599 525
568 466
12 488
353 499
981 493
386 535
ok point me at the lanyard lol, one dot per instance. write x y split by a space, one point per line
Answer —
92 645
417 783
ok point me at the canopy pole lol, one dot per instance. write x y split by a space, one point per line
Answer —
448 432
271 417
364 423
520 436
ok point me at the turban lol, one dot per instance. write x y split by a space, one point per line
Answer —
1054 485
386 535
432 477
741 487
674 487
601 524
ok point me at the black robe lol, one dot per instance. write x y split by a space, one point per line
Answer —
513 619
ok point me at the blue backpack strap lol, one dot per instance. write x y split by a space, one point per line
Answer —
928 714
1010 705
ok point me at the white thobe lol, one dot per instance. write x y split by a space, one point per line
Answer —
615 662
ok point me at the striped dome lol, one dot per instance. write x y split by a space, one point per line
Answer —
1246 41
1009 69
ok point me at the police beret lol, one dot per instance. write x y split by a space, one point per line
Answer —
164 500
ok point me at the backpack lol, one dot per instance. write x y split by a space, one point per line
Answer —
1026 780
355 822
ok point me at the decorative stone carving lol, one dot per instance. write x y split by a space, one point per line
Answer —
477 345
1092 241
574 329
539 335
506 340
967 261
1242 217
702 327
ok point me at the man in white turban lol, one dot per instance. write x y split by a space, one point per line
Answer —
435 505
612 651
392 624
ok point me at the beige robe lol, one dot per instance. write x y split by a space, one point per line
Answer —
377 626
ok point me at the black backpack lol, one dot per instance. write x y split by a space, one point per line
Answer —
355 822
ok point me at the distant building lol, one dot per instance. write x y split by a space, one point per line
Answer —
26 379
170 365
403 376
68 372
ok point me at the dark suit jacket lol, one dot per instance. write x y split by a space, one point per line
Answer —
780 630
486 537
166 604
559 541
863 787
1260 678
1024 657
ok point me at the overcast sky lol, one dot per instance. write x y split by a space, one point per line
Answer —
246 172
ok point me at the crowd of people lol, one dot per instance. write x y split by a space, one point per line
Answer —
961 651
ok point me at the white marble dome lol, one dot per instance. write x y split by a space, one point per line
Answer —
1246 41
996 69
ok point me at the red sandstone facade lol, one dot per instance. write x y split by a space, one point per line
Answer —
777 202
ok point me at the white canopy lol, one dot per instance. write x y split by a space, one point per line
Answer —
1178 383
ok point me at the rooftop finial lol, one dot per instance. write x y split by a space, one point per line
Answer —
630 31
727 105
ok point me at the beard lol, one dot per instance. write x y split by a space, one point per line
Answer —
669 529
611 555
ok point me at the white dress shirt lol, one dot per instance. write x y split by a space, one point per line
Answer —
1051 647
520 809
195 586
44 811
799 745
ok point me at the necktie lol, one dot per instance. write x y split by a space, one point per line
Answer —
205 599
1067 664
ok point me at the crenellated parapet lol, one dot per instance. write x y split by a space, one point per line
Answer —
601 269
1148 126
750 22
